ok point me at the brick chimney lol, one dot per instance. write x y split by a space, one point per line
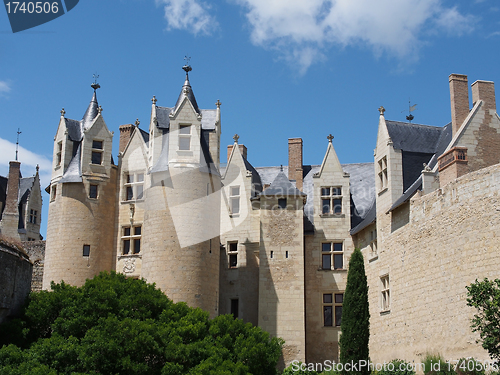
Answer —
295 171
125 134
485 91
243 151
459 97
11 205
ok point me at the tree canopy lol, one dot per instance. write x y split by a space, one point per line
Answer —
119 325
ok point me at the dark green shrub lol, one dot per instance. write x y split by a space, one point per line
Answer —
434 364
397 367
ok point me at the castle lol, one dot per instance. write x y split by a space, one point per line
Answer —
271 245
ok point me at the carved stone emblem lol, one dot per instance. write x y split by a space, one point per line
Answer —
129 266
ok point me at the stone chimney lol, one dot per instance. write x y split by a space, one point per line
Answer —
485 91
10 219
125 134
295 171
243 151
459 97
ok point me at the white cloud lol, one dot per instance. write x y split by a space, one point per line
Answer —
190 15
4 87
300 29
29 160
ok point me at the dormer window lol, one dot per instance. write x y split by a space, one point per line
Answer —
185 137
97 149
331 200
235 199
59 153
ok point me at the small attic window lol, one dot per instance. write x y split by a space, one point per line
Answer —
185 137
96 152
59 153
282 203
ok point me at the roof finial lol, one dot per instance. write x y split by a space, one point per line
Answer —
17 143
37 168
236 137
95 85
99 109
218 104
154 100
330 138
187 68
381 109
137 122
281 168
63 112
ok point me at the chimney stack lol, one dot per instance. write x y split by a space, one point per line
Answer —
125 134
459 97
295 170
485 91
242 148
11 205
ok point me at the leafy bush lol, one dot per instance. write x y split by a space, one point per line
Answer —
434 364
119 325
296 369
469 366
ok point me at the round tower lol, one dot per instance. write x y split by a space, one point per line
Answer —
182 207
80 227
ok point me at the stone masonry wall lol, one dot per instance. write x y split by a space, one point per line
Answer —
36 253
450 241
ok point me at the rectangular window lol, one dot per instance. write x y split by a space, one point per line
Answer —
59 153
234 197
385 293
331 200
382 173
332 309
332 253
97 149
185 137
233 254
235 306
282 203
373 241
33 216
134 186
93 191
131 240
53 192
86 250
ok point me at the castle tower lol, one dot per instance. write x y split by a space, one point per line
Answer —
281 273
180 240
10 216
80 230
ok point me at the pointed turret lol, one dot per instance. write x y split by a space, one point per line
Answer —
187 91
92 110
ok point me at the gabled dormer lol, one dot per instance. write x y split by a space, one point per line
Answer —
331 187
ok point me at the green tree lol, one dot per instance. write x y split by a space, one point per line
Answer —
355 324
119 325
485 297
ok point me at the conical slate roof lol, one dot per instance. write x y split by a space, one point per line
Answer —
90 113
187 91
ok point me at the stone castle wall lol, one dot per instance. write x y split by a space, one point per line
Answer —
450 241
36 253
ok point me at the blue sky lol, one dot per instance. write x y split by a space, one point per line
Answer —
281 68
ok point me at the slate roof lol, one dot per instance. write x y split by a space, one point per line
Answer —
187 91
281 186
73 172
76 128
25 186
413 137
208 118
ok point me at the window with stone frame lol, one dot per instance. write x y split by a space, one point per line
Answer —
185 137
385 293
86 250
332 254
331 200
332 309
373 241
232 253
33 216
382 173
234 199
97 150
59 153
53 192
131 239
133 186
93 191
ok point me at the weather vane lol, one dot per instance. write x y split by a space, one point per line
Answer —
95 85
187 58
411 108
17 143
